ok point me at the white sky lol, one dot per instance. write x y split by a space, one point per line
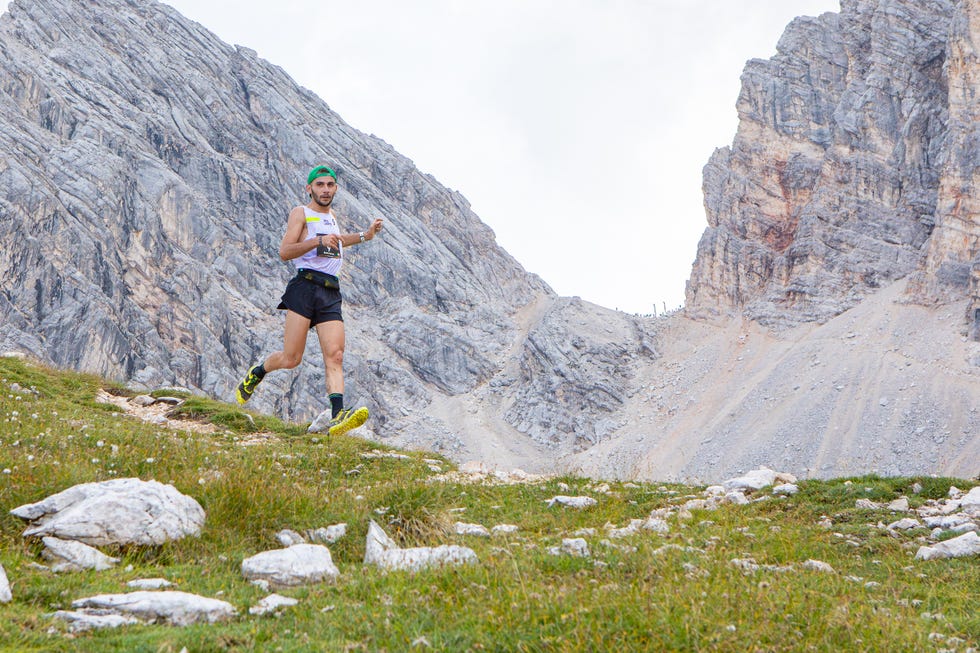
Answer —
577 129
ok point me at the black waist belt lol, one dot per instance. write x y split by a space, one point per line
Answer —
319 278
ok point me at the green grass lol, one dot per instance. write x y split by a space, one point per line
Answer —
688 597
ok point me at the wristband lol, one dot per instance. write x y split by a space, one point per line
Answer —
362 236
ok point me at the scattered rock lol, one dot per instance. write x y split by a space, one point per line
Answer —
382 551
967 544
899 505
272 603
83 620
574 546
170 607
947 522
504 529
327 535
754 480
287 537
904 524
299 564
738 498
68 555
819 565
6 596
149 583
749 565
971 501
572 502
477 530
377 453
636 525
787 489
121 511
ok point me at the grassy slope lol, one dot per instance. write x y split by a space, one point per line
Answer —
518 598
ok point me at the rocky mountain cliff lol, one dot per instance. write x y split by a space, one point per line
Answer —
832 313
855 164
148 171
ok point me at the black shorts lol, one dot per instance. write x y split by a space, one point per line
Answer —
313 301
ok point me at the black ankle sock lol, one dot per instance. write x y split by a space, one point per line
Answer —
259 370
336 404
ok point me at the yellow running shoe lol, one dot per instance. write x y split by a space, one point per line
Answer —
245 389
347 420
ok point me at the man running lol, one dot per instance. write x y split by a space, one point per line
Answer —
312 299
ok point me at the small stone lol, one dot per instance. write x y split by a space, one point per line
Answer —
819 565
149 583
272 603
477 530
572 502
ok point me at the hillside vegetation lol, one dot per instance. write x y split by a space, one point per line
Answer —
678 590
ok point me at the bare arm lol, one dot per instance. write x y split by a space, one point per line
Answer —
354 239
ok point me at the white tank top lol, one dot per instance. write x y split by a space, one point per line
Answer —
330 261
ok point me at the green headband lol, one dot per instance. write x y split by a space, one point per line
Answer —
320 171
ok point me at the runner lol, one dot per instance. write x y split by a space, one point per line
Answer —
312 299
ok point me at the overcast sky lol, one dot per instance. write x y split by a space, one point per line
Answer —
577 129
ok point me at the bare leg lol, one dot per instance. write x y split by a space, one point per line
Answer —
331 336
294 344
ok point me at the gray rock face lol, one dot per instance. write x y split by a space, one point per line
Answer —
845 160
121 511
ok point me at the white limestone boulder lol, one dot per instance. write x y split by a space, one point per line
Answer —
970 502
68 555
965 545
383 552
299 564
754 480
120 511
169 607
